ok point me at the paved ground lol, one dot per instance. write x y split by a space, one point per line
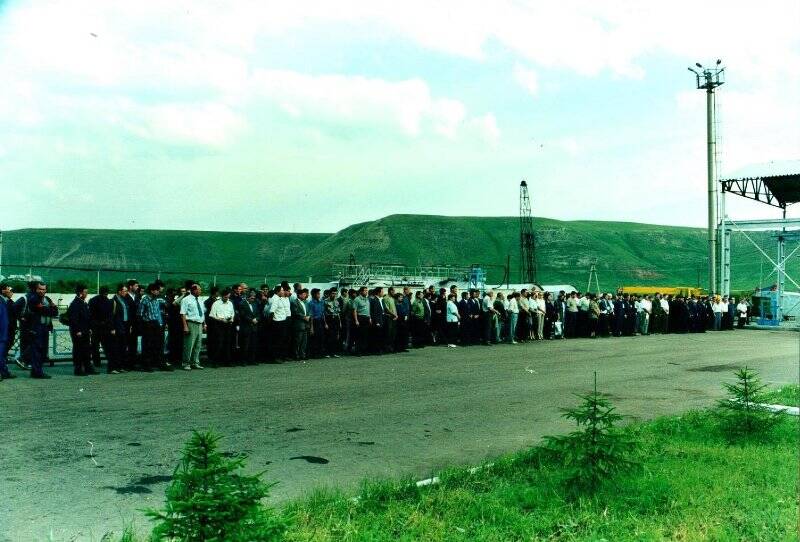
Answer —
408 414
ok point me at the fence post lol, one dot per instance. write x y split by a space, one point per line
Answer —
98 281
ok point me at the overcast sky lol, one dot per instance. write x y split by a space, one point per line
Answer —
310 116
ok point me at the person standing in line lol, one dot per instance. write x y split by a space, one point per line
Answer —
418 321
222 314
716 307
301 324
38 323
7 300
151 316
4 340
463 318
390 319
376 314
620 310
248 328
280 322
80 330
513 318
118 359
540 310
452 318
100 315
25 337
571 315
427 303
403 306
193 319
333 324
731 312
742 309
593 316
488 318
263 347
316 311
134 330
211 327
174 325
646 307
361 321
550 316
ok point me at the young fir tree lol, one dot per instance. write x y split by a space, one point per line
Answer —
597 449
742 414
211 500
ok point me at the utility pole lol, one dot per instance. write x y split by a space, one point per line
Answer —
708 80
593 273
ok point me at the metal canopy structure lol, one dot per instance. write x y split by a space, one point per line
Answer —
776 184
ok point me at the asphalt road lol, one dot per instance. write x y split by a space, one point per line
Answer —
333 421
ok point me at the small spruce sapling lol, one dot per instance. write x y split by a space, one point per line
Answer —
742 415
211 500
597 450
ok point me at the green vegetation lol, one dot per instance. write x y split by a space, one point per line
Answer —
786 396
210 500
626 253
596 451
692 486
742 414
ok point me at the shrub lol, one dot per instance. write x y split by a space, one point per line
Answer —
597 450
741 415
211 500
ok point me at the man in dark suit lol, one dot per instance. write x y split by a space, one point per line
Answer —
376 314
463 314
620 309
37 323
134 329
100 307
80 330
248 313
301 323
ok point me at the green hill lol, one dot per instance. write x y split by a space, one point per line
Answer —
626 253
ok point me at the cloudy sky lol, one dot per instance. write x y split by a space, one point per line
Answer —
310 116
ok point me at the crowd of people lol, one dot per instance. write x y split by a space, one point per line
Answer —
158 328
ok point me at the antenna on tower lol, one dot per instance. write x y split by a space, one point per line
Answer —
593 274
527 241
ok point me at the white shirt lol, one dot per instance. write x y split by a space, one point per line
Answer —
541 304
279 308
718 307
452 312
646 305
742 308
665 305
512 306
221 310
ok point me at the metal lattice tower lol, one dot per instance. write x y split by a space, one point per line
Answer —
527 241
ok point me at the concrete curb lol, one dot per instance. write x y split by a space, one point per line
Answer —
791 410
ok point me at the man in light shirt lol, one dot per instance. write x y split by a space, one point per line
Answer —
645 310
193 316
571 316
278 315
222 314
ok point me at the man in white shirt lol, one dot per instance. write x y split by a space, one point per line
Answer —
645 310
741 310
222 314
278 314
193 316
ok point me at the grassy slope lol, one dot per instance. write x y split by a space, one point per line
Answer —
692 486
626 252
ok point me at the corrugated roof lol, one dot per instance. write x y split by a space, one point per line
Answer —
774 168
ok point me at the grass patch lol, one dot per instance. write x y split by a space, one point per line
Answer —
692 486
787 396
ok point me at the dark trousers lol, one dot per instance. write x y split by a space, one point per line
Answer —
592 326
300 343
116 354
152 345
248 343
263 350
175 343
101 336
417 332
280 339
25 339
317 349
224 343
36 349
401 335
602 325
487 327
582 325
362 335
390 333
376 337
570 324
81 353
132 348
333 344
452 332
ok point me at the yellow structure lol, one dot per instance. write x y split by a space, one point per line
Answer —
686 291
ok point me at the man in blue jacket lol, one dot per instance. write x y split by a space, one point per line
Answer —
37 322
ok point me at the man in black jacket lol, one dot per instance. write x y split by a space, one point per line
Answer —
80 329
6 298
248 313
100 313
376 315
